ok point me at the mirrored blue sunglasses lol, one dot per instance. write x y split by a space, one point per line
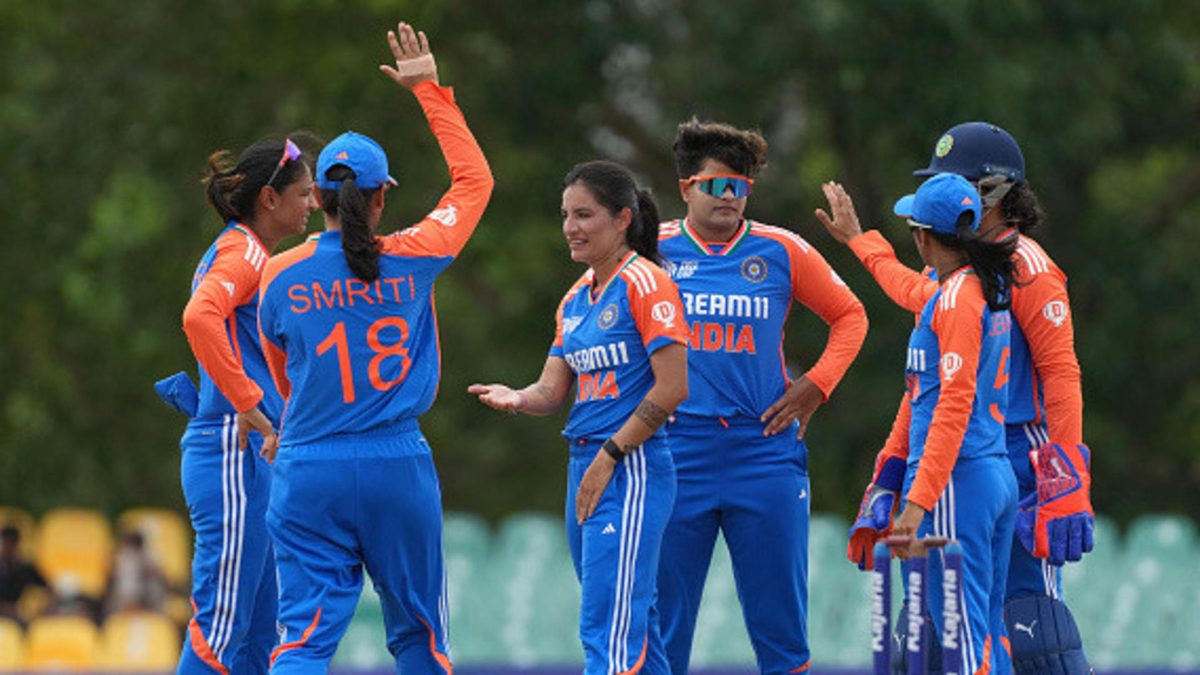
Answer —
717 185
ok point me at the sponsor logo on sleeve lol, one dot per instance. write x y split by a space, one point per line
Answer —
951 363
448 215
1056 312
664 313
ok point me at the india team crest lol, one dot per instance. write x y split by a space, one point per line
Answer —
754 269
943 145
664 313
608 317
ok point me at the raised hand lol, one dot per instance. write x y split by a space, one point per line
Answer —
414 61
843 225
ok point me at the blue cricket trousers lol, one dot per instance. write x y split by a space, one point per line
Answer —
369 499
755 489
615 553
978 509
233 567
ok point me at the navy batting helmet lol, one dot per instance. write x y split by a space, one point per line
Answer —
974 150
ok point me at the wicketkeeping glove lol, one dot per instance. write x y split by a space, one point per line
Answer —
1056 522
876 511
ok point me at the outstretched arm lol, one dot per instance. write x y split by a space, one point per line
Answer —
905 286
445 231
543 397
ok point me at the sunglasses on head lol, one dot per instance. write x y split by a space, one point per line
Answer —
719 184
913 226
290 151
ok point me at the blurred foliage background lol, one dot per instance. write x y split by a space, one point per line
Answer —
108 111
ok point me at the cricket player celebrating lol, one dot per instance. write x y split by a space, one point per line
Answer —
737 441
621 338
266 196
349 330
1045 409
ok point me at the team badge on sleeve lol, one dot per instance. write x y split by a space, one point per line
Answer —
608 317
754 269
1055 312
664 313
951 362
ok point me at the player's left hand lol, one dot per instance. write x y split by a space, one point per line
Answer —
797 404
592 485
254 419
1056 522
906 525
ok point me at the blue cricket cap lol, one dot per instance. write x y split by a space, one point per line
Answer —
362 155
939 202
974 150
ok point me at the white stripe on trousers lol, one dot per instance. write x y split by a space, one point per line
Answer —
233 509
631 531
945 524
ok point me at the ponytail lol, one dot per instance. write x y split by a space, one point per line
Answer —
992 260
613 186
232 188
349 205
221 181
642 234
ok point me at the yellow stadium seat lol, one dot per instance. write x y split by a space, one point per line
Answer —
61 643
74 551
168 539
134 642
10 646
20 518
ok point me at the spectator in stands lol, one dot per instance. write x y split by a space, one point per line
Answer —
16 573
137 583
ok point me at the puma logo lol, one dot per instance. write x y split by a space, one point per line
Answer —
1022 627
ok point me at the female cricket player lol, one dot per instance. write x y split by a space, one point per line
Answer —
263 198
737 440
350 335
621 337
947 445
1045 410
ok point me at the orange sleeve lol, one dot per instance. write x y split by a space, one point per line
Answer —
816 286
958 323
447 228
208 318
277 364
906 287
897 440
655 305
1043 311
